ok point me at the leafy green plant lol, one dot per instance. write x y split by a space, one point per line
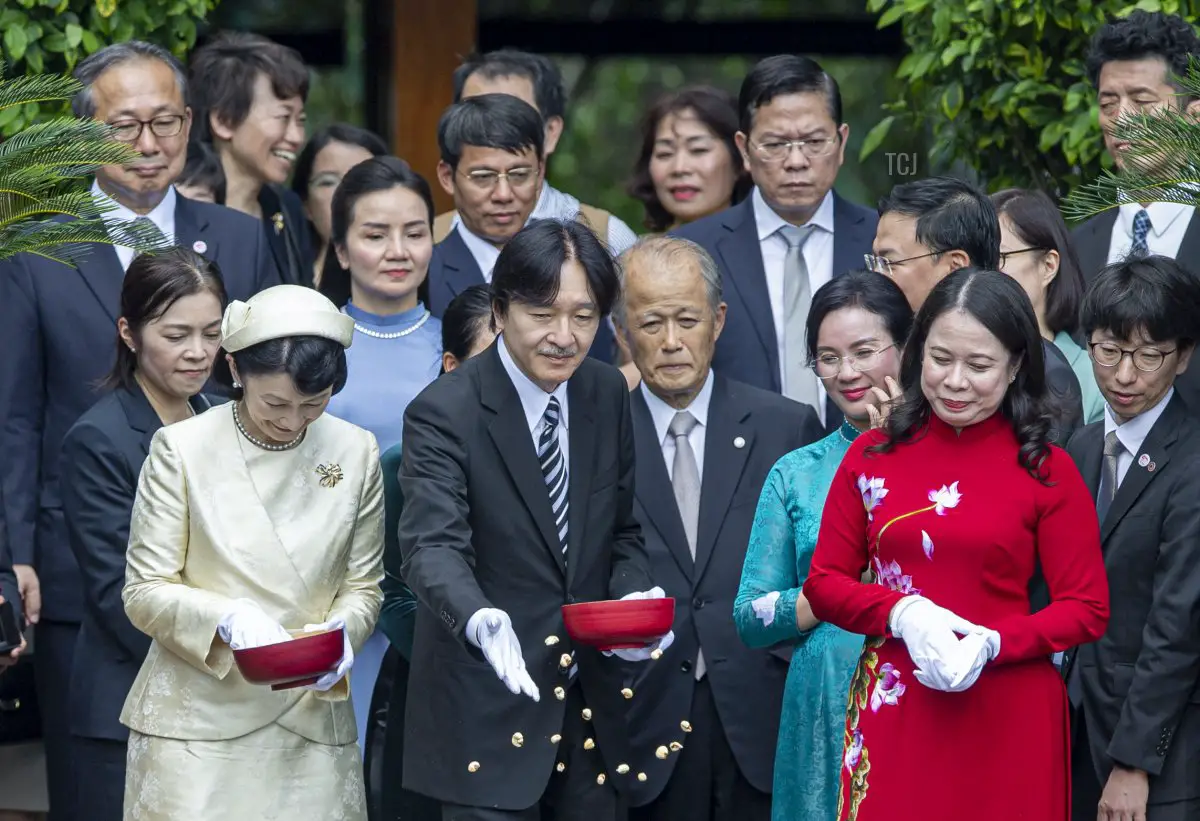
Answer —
53 35
1001 85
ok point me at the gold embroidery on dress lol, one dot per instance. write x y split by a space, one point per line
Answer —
856 763
330 474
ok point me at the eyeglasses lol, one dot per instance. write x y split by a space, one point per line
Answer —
827 366
129 131
1004 255
486 180
780 150
1146 359
883 265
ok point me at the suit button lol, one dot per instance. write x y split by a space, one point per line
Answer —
686 667
698 604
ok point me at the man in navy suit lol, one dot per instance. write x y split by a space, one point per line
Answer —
793 142
59 323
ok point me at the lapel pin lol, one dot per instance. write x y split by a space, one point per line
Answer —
1144 460
199 246
739 442
277 218
1150 467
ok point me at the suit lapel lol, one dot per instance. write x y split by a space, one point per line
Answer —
458 263
724 462
140 414
581 435
101 271
850 236
513 440
741 254
1095 238
652 484
1189 247
1157 452
191 229
1090 448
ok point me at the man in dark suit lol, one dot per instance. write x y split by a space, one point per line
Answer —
704 446
932 227
791 235
9 592
1131 64
492 163
518 485
1136 708
60 324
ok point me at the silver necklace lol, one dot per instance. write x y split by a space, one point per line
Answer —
237 420
394 334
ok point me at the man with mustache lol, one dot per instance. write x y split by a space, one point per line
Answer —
517 480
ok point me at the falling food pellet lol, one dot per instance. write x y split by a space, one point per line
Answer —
518 739
473 767
627 693
662 752
622 768
587 714
588 744
560 693
656 655
561 766
641 776
565 661
551 641
600 778
554 739
676 746
685 726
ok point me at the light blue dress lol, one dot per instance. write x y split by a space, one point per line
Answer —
813 723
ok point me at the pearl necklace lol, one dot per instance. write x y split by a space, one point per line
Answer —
237 420
394 334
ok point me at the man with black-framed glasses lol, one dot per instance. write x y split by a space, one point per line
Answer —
1136 716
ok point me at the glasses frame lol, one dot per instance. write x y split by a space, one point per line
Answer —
877 264
804 145
1004 255
180 119
502 175
853 363
1131 353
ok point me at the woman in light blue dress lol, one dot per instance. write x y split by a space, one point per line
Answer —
856 328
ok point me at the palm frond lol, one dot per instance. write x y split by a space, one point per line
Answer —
36 88
64 142
68 240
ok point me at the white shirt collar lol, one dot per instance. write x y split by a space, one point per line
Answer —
662 413
484 252
768 222
1134 432
534 400
1162 215
163 215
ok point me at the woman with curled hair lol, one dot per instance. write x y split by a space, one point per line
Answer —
953 505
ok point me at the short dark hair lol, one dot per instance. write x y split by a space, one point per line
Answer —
783 74
951 214
467 316
529 268
490 121
1154 294
89 69
717 111
1038 223
203 168
999 303
368 177
1141 35
313 362
336 133
153 283
860 289
223 73
541 72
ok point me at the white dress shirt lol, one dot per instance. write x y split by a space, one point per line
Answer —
818 257
484 252
662 414
163 216
1168 223
534 401
1134 432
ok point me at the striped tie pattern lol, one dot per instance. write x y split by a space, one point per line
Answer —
554 469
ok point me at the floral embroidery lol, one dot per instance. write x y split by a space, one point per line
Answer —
892 577
946 498
854 751
888 688
943 499
927 545
872 491
856 760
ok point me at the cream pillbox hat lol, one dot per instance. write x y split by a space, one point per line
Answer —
282 311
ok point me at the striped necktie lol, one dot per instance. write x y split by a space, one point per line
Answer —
554 469
1141 231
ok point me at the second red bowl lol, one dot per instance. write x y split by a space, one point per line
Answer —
617 625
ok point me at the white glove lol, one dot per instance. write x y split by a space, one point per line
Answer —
975 651
929 633
644 653
246 626
492 632
335 675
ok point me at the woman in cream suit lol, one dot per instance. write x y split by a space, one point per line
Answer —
254 518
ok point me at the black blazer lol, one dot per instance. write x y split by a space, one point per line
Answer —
747 684
288 237
62 320
8 579
1063 386
1092 240
477 531
453 269
747 347
1138 682
102 457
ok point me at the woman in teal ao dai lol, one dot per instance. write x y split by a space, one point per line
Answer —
856 327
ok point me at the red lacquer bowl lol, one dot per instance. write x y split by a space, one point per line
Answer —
618 625
293 663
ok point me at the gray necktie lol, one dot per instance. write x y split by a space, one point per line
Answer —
1108 475
147 228
799 381
685 480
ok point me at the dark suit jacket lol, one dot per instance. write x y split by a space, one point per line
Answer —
8 579
291 245
747 347
747 684
477 531
453 269
62 320
1138 682
1064 390
1092 240
102 457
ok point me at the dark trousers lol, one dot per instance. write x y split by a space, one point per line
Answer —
100 777
571 795
387 800
706 784
54 650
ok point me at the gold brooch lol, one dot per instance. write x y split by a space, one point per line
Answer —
330 474
277 218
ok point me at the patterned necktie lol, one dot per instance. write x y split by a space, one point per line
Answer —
146 227
1141 229
554 469
799 381
1108 475
685 480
